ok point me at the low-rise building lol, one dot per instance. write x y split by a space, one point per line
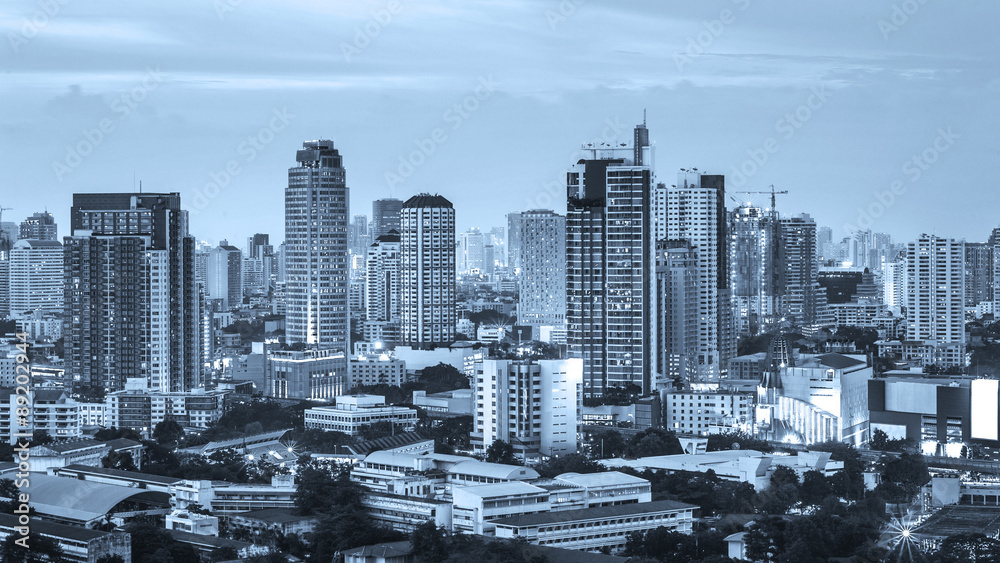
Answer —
351 412
473 508
406 513
229 498
704 413
381 369
79 545
380 469
283 521
193 522
60 454
53 411
599 528
306 374
457 402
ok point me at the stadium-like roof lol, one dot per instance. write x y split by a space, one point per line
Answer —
64 499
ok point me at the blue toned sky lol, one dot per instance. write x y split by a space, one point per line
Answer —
870 113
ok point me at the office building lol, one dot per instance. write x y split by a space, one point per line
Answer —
695 212
711 412
427 271
305 374
385 216
471 247
316 276
677 309
131 303
533 406
542 280
40 226
352 412
224 275
36 276
935 310
609 250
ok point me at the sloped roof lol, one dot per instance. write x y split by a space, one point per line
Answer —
132 475
593 513
838 361
386 443
427 200
493 470
83 500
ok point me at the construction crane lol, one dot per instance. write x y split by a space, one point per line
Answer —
772 192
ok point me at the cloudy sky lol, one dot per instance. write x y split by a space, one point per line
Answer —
868 112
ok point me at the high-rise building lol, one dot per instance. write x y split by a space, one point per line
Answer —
609 252
753 268
36 276
536 407
499 241
978 273
696 212
261 251
677 309
4 284
542 283
804 300
935 312
427 271
358 237
470 251
131 302
316 274
894 284
383 289
385 216
513 242
224 275
40 226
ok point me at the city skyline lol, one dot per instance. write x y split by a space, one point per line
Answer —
870 97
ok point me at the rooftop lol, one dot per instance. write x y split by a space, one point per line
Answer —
593 513
606 478
128 475
502 489
427 200
53 530
386 443
955 520
275 515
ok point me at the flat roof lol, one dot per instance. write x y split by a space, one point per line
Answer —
502 489
276 515
593 513
604 478
955 520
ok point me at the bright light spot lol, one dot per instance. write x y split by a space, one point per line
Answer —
289 450
906 533
250 457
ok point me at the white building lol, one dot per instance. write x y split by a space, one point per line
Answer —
535 407
351 412
382 282
471 254
935 313
702 414
597 529
694 212
36 276
427 271
52 411
376 369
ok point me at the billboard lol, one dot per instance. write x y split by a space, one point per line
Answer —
984 409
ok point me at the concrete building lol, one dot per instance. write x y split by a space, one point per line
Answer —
471 252
457 402
817 398
542 278
382 287
707 413
695 211
224 275
39 226
36 276
351 412
533 406
131 302
610 302
386 216
140 409
597 529
677 309
306 374
376 370
978 273
52 411
427 271
805 301
514 242
316 248
942 414
753 268
78 545
935 309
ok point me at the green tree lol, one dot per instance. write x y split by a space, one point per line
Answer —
653 442
967 547
608 444
41 549
879 440
815 488
152 543
501 452
725 441
570 463
430 543
119 460
168 431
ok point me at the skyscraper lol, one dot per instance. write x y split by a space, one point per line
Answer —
978 273
224 275
753 250
131 302
382 288
36 276
513 242
805 302
935 311
316 222
542 283
358 239
471 244
40 226
696 212
609 270
385 216
677 309
427 271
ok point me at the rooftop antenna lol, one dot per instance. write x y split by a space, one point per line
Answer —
643 117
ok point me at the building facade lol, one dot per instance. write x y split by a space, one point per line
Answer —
305 374
542 280
427 271
36 276
935 311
